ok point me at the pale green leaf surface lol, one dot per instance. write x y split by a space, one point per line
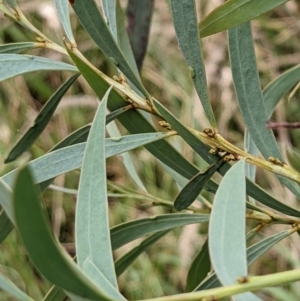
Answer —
69 158
251 148
15 64
5 200
48 257
126 232
62 8
250 235
100 280
91 19
110 10
253 253
79 136
234 12
113 131
82 133
129 231
40 122
17 47
8 286
227 244
185 22
91 222
63 160
126 260
249 95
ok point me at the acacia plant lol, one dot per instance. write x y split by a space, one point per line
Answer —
220 269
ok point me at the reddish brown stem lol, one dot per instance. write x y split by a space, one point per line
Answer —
286 125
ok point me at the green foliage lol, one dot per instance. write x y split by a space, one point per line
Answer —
224 206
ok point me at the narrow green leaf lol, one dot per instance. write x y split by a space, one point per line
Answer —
55 294
253 253
126 260
40 122
80 136
91 19
115 114
91 269
139 13
252 149
228 219
18 47
193 188
82 133
199 269
277 88
70 158
8 286
113 131
5 199
62 8
76 137
234 12
46 254
6 226
265 198
247 86
185 22
91 222
134 122
126 232
110 9
15 64
272 94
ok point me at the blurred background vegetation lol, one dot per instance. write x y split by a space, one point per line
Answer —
163 268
